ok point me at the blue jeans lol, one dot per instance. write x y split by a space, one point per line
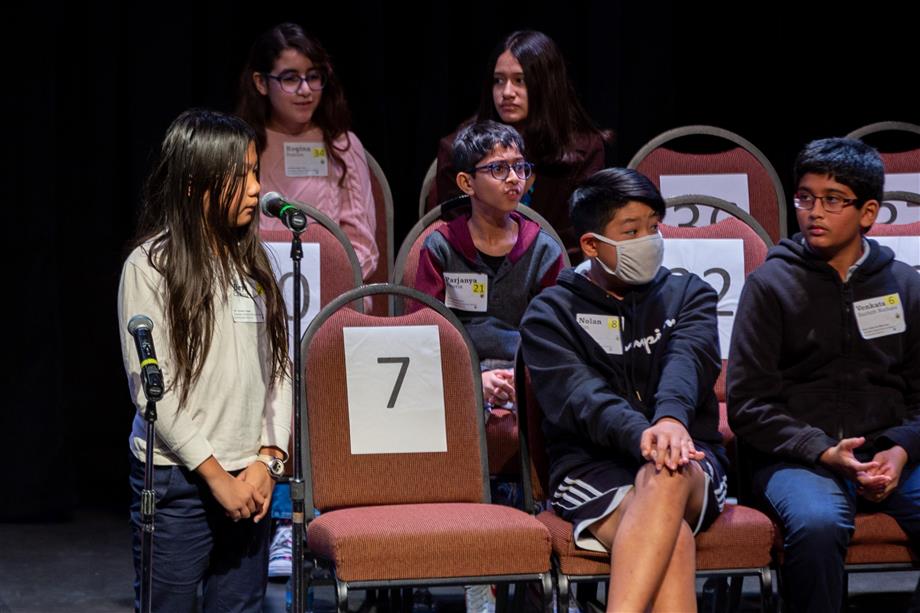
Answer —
816 509
195 543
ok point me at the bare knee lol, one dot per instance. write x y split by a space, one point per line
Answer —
675 485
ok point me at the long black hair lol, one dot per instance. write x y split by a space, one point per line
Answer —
555 118
188 197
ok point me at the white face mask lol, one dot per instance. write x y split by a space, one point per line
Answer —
638 259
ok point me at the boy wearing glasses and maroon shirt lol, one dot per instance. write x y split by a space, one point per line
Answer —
488 264
824 373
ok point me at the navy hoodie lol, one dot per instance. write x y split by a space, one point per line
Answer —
597 404
801 376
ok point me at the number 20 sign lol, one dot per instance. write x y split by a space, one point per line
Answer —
719 262
395 389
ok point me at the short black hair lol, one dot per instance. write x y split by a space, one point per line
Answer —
477 140
845 160
596 199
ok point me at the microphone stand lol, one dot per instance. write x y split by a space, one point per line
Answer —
148 499
297 224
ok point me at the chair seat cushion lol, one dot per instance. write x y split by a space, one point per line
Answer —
424 541
740 537
878 539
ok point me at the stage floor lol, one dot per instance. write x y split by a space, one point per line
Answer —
85 566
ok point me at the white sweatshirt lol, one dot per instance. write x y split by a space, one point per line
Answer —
233 409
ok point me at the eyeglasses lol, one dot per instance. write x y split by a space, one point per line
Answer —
805 201
290 81
501 170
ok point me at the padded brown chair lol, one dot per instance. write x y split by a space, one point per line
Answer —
756 243
383 235
900 229
427 185
898 143
737 544
502 431
339 270
670 153
407 519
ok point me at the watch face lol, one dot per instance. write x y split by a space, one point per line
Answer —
277 467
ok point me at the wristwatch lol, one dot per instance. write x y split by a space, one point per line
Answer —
275 465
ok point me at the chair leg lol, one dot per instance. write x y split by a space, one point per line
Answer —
563 592
585 593
547 583
713 593
846 590
501 598
735 589
767 603
341 596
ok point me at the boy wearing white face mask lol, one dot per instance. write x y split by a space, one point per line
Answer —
624 357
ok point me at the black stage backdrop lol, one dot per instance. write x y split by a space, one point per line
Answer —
94 87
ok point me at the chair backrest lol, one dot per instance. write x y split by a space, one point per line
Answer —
898 144
534 460
338 478
906 243
383 208
739 225
339 267
667 155
406 266
427 186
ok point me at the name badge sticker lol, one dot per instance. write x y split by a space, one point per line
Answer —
604 329
881 316
247 309
305 160
466 291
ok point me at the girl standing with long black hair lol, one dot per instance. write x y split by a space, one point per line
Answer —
199 272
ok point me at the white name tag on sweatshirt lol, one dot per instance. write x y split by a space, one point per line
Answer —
247 304
604 329
880 316
466 291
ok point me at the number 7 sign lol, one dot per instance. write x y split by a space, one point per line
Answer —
395 389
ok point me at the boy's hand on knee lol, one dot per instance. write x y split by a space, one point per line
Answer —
668 444
840 459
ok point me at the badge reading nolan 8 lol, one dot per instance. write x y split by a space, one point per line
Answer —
604 329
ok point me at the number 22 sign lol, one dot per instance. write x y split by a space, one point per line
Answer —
395 389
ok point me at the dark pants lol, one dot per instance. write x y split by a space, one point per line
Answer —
195 543
816 510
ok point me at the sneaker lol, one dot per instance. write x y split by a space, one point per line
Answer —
279 552
479 599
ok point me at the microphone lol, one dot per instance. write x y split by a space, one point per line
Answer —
274 205
140 327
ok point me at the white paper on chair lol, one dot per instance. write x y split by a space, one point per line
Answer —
279 254
906 248
732 187
897 211
395 389
719 262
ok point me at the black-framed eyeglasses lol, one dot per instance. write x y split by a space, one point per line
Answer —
805 201
501 170
290 81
